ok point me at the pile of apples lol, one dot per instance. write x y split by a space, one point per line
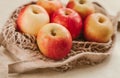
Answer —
55 25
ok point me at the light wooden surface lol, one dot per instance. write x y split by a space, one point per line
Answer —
108 69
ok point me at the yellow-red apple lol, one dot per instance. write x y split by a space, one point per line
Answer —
50 5
83 7
32 18
98 28
54 41
69 19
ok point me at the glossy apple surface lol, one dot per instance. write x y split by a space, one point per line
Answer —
98 28
69 19
32 18
50 5
54 41
83 7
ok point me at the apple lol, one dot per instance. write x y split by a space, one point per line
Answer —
83 7
54 41
69 19
98 28
32 18
50 5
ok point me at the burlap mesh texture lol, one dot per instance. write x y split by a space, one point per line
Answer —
25 50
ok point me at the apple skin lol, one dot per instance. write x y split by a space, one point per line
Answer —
50 5
98 28
54 41
69 19
83 7
32 18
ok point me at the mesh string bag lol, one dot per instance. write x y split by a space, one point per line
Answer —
28 57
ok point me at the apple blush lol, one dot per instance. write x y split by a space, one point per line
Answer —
69 19
54 41
98 28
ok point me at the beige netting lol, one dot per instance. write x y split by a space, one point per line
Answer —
24 48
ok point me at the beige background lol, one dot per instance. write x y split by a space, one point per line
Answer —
110 68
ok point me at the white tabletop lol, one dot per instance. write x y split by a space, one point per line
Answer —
110 68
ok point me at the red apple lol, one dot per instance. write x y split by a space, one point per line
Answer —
98 28
69 19
50 5
32 18
54 41
83 7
